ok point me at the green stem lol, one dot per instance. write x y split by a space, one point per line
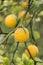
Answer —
1 42
35 62
12 61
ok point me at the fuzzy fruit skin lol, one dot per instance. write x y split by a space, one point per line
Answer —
21 14
21 35
10 21
24 4
33 50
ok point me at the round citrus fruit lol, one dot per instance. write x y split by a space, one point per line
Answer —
24 4
10 20
21 14
33 50
21 35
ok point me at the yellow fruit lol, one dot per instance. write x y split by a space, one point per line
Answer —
1 64
21 35
24 4
21 14
10 20
33 50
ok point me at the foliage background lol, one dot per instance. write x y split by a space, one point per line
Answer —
15 9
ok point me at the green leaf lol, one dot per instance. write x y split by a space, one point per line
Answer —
16 9
38 19
6 61
37 59
5 29
2 49
39 63
18 60
36 34
31 62
40 14
10 40
25 59
1 60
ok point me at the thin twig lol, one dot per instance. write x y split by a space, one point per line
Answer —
12 61
3 33
26 10
29 52
35 62
1 42
14 4
6 37
31 24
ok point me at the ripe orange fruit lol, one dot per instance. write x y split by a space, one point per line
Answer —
10 20
24 4
21 14
21 35
33 50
